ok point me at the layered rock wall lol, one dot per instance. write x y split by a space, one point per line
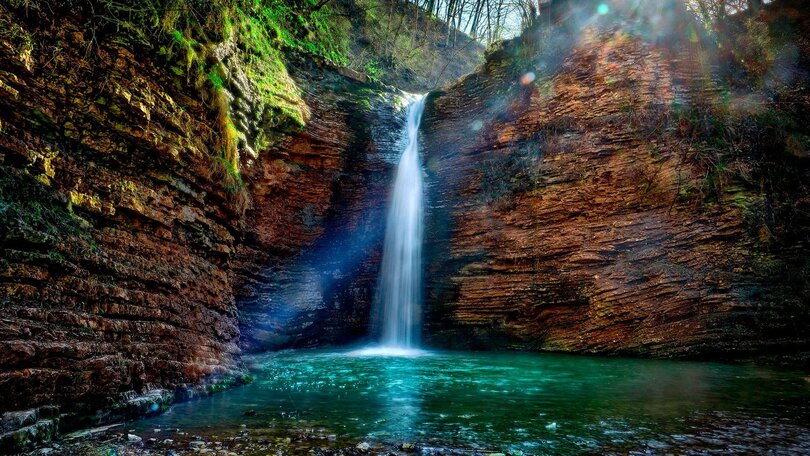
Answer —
308 270
126 243
569 205
116 234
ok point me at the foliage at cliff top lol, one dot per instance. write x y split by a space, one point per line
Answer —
231 51
227 47
402 44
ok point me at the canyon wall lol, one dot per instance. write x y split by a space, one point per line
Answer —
583 196
128 243
116 235
577 202
308 269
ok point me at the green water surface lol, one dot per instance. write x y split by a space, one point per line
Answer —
513 402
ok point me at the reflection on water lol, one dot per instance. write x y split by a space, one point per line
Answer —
401 407
535 403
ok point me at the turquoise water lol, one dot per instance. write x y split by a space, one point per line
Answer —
516 402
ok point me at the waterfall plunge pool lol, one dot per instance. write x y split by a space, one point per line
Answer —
518 403
396 398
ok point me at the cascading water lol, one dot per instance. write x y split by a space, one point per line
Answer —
401 276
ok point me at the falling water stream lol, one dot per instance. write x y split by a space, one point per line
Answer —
401 277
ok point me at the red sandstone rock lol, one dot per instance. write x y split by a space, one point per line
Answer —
122 249
116 238
559 212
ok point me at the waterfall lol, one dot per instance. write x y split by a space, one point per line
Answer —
401 275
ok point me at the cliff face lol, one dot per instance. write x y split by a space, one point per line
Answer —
115 235
309 265
573 206
586 191
126 245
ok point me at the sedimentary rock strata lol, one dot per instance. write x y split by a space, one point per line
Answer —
126 239
568 202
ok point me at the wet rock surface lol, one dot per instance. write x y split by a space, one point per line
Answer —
713 434
308 270
116 235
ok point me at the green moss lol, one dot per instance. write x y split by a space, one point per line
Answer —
215 79
185 32
28 206
233 179
21 41
309 27
187 47
259 31
374 70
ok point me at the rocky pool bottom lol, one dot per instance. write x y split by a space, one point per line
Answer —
359 402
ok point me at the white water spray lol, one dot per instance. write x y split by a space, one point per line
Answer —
401 276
